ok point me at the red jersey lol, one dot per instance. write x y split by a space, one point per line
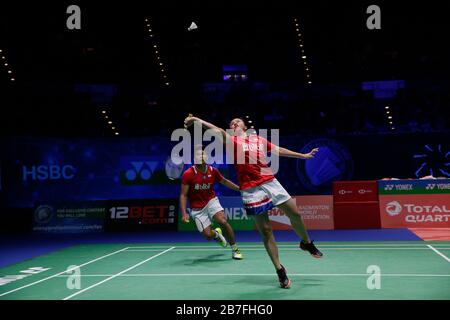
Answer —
250 161
201 185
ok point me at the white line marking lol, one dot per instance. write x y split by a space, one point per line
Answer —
261 274
439 253
263 249
117 274
296 246
65 271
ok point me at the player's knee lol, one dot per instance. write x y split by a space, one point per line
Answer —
266 231
208 234
222 222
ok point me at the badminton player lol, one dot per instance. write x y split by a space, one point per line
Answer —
261 191
197 186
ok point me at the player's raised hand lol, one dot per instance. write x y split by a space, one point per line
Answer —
312 153
189 120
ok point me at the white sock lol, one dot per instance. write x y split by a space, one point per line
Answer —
234 247
216 233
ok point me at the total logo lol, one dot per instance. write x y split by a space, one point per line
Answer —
419 213
393 208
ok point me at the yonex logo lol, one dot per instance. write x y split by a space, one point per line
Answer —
393 208
430 186
388 187
137 171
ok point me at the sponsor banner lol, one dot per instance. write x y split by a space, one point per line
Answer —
142 214
347 191
435 186
415 211
316 211
234 212
83 217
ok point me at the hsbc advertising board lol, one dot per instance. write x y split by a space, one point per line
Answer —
429 207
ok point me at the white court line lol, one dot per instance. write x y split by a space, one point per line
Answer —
65 271
263 249
439 253
261 274
117 274
296 246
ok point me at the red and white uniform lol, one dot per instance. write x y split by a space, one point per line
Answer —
260 190
202 198
250 161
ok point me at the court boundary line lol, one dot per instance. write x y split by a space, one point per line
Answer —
281 249
262 274
292 245
439 253
65 271
117 274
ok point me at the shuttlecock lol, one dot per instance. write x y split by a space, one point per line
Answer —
193 26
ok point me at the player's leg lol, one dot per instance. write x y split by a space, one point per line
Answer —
282 199
219 217
265 229
208 233
291 211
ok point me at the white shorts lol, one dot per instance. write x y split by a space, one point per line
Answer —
264 197
203 217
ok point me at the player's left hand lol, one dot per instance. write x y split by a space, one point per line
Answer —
312 153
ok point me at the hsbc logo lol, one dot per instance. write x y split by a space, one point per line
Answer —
393 208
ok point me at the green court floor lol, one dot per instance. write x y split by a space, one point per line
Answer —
408 270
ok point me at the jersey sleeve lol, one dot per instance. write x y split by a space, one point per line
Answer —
186 177
218 176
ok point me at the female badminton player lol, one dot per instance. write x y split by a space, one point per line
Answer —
197 186
260 190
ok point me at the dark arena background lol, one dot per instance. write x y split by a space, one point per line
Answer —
91 92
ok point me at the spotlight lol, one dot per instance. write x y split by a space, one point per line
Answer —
387 107
9 71
109 122
113 128
155 46
106 117
389 117
303 57
6 64
103 111
160 64
117 133
12 79
309 82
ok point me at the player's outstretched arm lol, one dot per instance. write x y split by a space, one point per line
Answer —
224 135
229 184
183 201
283 152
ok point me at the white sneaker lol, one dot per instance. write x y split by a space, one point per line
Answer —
220 238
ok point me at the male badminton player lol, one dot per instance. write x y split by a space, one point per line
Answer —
261 191
197 186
